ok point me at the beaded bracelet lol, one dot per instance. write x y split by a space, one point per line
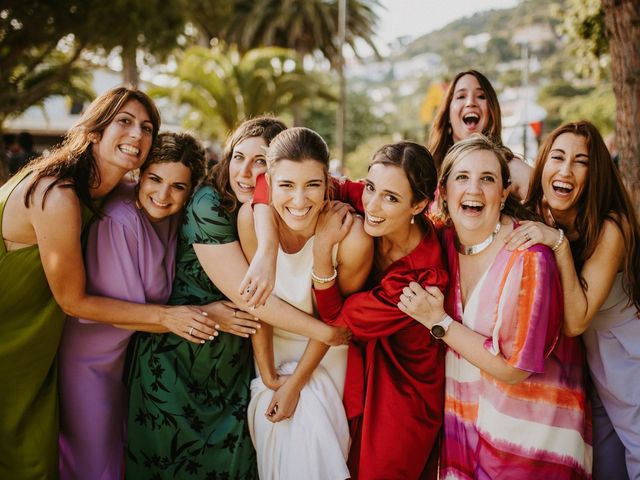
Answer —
556 246
318 279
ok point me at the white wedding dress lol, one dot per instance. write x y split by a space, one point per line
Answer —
314 442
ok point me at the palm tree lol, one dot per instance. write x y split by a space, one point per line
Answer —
303 25
223 87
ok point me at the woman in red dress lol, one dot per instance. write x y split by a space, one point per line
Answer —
395 371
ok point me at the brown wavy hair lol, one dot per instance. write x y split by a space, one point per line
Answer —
603 198
265 127
72 164
172 147
441 136
417 164
475 143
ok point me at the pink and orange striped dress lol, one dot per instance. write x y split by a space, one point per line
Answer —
538 428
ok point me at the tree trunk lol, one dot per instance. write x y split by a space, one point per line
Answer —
622 22
130 74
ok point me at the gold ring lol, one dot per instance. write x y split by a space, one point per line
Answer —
191 331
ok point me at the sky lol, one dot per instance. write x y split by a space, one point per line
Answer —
417 17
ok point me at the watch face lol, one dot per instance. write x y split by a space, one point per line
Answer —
438 331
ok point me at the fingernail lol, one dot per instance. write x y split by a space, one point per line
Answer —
205 314
253 331
201 341
211 337
256 319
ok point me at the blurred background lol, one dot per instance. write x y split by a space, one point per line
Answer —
360 72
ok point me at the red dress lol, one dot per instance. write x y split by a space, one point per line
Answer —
394 389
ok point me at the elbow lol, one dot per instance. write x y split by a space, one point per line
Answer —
573 330
513 376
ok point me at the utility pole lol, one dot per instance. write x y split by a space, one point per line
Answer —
341 115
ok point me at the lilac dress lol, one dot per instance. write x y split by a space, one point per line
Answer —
129 258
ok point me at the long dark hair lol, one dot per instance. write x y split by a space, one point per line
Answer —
603 198
417 164
72 164
265 127
441 136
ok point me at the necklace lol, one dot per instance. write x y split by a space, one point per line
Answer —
478 247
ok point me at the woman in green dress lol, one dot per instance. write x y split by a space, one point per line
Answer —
43 209
188 405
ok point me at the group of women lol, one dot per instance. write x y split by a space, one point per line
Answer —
460 288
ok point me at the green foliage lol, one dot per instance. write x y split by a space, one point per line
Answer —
218 88
566 102
584 26
361 122
303 25
357 162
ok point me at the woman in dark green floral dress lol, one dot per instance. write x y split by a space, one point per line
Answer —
188 402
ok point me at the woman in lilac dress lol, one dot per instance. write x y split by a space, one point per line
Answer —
130 255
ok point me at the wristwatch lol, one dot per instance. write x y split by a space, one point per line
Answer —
439 329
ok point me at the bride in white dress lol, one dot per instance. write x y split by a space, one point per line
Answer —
296 417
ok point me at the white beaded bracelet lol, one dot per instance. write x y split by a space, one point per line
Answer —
556 246
318 279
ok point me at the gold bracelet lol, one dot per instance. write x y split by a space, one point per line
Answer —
556 246
318 279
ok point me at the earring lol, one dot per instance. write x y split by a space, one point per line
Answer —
450 130
444 204
413 219
501 206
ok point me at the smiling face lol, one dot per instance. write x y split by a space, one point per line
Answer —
565 173
469 109
125 142
298 193
164 189
247 162
387 200
474 192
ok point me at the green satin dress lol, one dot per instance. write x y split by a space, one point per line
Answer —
31 325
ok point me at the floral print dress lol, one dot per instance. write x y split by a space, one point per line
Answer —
188 405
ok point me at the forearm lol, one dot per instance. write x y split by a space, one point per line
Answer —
262 342
576 320
311 358
128 315
471 346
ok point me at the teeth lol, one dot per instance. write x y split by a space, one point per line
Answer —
472 204
298 212
562 185
130 149
160 204
471 118
374 219
246 186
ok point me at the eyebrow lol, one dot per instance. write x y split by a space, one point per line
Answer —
162 178
385 190
133 116
563 152
486 172
465 89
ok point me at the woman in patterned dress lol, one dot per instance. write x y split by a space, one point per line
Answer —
514 391
188 403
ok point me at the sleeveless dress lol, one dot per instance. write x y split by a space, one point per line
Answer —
188 402
314 443
612 342
127 257
31 324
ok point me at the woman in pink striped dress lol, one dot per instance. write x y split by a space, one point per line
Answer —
515 399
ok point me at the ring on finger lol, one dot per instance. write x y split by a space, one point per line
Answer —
527 237
234 314
191 331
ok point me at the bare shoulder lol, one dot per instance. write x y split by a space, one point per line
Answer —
357 241
611 234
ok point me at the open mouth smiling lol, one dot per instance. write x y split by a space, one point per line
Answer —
129 149
298 212
562 188
472 206
471 119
